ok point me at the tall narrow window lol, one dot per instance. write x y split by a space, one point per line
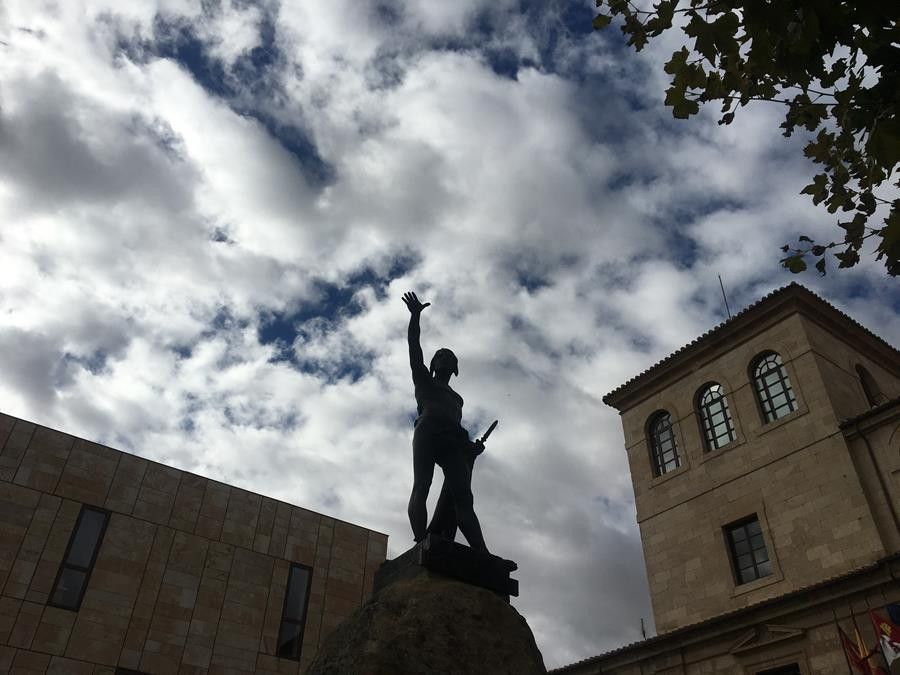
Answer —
81 553
293 617
748 550
663 447
715 417
773 387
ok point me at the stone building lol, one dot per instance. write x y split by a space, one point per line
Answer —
765 460
110 563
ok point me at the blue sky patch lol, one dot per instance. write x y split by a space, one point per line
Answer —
332 302
95 362
250 86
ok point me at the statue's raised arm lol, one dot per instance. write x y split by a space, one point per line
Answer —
416 358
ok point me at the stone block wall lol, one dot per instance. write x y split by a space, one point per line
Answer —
191 573
796 474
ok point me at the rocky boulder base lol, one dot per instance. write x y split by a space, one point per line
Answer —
431 624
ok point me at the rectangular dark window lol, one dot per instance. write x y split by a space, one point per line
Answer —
749 556
81 553
293 617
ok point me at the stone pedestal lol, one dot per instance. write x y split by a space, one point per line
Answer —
451 560
438 608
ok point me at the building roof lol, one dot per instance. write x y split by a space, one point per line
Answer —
681 630
744 318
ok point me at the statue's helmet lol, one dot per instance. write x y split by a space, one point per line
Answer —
444 358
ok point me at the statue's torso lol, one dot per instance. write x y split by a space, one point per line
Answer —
438 402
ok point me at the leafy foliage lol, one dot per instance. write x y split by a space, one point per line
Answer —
834 65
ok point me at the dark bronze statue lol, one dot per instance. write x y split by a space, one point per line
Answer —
439 438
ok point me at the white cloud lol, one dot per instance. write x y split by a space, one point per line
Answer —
567 231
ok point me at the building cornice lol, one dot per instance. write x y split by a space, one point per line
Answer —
770 309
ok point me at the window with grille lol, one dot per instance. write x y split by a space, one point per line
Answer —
663 447
718 429
293 616
749 555
81 554
773 387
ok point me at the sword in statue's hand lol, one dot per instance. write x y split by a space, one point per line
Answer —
479 444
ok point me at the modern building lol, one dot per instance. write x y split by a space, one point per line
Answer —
765 460
110 563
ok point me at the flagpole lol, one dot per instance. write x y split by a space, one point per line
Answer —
837 627
864 653
859 639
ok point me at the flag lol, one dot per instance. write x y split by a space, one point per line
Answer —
888 635
858 656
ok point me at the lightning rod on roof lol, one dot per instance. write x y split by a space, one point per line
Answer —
722 286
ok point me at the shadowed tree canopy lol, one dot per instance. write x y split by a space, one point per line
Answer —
833 65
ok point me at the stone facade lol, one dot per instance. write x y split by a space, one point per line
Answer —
823 482
190 575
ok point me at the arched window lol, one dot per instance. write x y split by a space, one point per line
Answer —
773 387
718 430
663 447
870 387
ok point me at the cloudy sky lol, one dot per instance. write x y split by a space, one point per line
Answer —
209 212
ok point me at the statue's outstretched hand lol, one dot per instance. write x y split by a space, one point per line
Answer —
477 447
413 304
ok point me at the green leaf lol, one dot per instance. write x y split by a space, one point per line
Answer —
884 142
854 230
714 87
847 258
601 21
867 199
818 188
889 246
685 108
665 9
794 263
803 237
678 62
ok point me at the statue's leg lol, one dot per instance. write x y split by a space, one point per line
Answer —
423 472
458 479
443 520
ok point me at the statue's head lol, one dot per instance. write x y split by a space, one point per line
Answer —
445 360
